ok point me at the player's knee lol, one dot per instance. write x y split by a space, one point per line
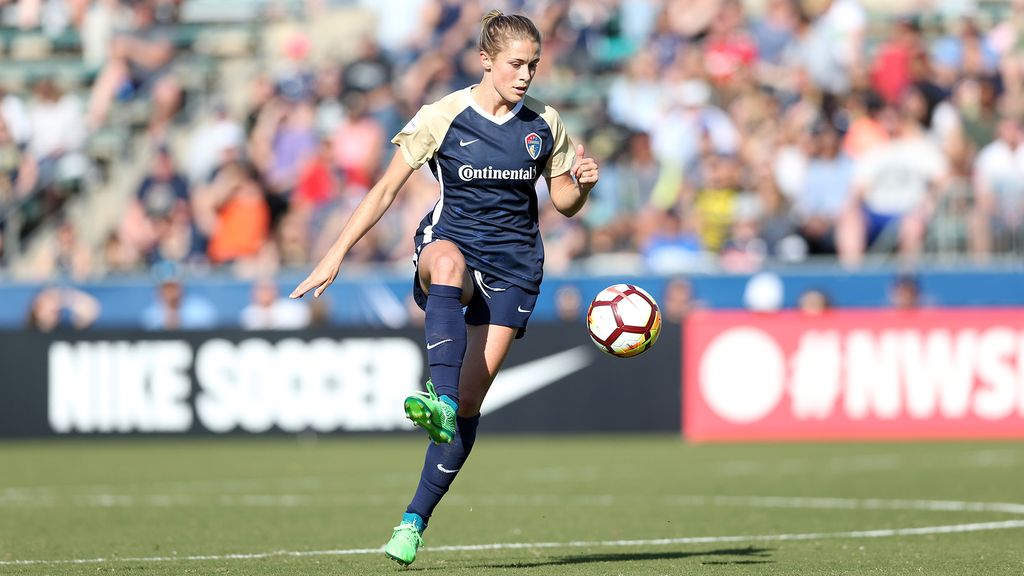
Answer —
447 269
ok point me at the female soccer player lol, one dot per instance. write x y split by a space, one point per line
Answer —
480 247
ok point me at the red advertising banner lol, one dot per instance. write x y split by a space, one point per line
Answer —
861 374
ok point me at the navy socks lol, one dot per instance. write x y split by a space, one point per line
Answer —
446 346
441 465
446 338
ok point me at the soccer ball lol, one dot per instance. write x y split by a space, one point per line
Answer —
624 320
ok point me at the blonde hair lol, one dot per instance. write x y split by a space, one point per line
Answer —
499 29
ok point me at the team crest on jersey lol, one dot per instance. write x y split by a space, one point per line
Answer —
533 145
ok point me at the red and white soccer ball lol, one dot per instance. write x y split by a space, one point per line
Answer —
624 320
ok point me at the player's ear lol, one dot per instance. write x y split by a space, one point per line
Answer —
485 61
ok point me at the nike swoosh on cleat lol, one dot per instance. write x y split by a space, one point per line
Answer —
520 308
525 379
447 471
464 143
436 344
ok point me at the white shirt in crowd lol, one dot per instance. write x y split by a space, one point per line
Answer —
896 176
281 314
999 170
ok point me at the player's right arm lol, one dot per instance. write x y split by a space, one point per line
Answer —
370 209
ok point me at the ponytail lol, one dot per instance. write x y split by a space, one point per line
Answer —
498 29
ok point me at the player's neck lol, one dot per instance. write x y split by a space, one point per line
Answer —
488 99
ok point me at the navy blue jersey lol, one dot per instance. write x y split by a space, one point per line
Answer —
488 168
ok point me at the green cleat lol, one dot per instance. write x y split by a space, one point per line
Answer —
431 414
404 543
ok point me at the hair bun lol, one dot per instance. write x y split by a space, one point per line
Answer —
491 16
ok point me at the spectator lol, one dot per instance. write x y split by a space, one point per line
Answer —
865 130
97 30
891 69
814 302
825 191
173 309
963 51
628 185
164 190
674 244
119 257
158 224
773 214
895 190
715 200
678 301
55 308
568 304
139 65
745 249
691 125
905 293
57 133
832 50
635 96
282 141
729 49
63 256
234 215
329 111
358 143
319 182
368 71
268 311
775 32
218 140
977 101
998 214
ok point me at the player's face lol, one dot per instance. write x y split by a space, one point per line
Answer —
513 68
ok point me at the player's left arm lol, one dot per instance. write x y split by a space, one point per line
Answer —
569 190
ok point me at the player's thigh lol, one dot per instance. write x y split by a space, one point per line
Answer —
486 349
442 262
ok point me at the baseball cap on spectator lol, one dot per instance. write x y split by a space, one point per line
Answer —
764 292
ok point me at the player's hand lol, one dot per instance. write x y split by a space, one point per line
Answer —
320 278
584 170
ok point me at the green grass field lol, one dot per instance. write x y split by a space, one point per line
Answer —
531 505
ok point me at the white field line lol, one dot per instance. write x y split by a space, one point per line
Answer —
883 533
848 503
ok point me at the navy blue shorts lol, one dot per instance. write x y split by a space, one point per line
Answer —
494 301
878 223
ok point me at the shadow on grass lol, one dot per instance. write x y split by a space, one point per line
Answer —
749 555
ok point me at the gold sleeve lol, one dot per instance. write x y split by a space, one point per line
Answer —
416 140
563 152
422 136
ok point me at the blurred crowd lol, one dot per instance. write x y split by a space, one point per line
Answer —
730 133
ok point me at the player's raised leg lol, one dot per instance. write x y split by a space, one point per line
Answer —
487 348
442 276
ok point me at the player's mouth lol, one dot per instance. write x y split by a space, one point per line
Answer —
520 90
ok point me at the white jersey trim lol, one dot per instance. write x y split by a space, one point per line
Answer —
499 120
435 216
